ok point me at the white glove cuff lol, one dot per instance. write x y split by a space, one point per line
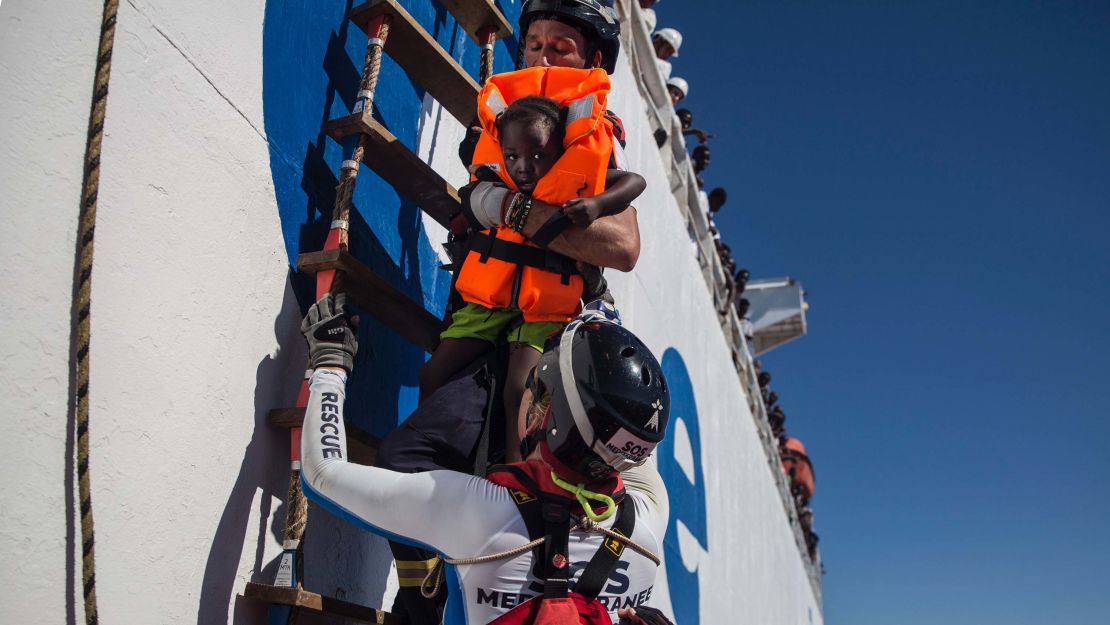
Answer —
486 201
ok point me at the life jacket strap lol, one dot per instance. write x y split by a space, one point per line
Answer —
489 246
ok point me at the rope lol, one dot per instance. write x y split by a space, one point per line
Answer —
83 301
296 511
371 67
486 63
500 555
591 526
485 60
584 524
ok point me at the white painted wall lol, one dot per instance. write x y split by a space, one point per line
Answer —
45 86
188 480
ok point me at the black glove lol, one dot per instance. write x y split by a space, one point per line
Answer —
332 340
469 143
646 616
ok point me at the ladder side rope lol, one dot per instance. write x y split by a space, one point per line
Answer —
90 187
296 516
485 60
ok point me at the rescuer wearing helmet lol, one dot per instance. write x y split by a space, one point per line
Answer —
458 426
580 34
597 404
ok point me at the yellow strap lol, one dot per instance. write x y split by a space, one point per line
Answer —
583 496
420 565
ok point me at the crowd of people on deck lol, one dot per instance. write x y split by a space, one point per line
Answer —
666 44
522 476
796 462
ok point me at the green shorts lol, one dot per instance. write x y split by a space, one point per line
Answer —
478 322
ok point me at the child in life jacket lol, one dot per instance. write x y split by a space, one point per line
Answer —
509 296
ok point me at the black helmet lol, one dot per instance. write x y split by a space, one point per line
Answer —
609 401
596 21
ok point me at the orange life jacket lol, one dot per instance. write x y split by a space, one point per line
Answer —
502 268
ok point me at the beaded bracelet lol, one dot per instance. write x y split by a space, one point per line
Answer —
522 215
513 212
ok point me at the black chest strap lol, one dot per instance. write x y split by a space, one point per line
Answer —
549 516
488 245
597 572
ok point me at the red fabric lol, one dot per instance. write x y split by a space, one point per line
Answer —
540 472
572 610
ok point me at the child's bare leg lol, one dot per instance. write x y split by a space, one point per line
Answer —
522 357
449 358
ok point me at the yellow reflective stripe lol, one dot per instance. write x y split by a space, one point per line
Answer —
417 565
411 573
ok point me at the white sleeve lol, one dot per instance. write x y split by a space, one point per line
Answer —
408 506
645 480
620 157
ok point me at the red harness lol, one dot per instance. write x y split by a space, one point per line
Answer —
546 509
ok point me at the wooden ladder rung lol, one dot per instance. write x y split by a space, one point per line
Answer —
379 298
474 16
399 166
362 447
301 598
423 59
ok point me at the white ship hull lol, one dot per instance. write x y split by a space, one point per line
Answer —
206 189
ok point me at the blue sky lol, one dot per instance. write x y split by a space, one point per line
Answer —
938 177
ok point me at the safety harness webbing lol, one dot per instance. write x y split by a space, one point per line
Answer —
548 516
488 246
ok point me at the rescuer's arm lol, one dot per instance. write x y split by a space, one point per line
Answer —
408 505
646 481
621 189
403 504
612 241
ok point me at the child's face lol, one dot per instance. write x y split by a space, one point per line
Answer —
530 150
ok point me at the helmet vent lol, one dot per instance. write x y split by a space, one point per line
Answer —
628 352
645 376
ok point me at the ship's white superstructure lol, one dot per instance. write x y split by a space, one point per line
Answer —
195 319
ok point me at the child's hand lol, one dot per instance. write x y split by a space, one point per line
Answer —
582 211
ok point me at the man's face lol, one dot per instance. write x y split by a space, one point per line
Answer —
676 95
551 43
663 50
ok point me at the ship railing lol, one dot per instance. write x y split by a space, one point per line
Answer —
636 42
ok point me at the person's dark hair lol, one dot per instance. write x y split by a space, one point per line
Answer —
764 379
717 199
536 110
685 117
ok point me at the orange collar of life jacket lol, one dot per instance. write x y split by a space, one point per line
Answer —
583 92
